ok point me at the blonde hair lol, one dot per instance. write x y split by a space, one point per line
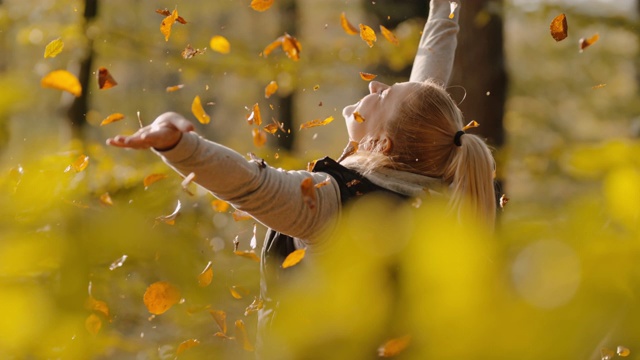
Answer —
422 141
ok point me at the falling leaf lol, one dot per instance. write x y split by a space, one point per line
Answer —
93 324
187 181
315 88
187 344
261 5
198 111
105 80
599 86
171 218
118 262
585 43
166 12
249 254
220 44
150 179
112 118
389 35
346 25
190 52
206 276
241 215
453 6
62 80
254 117
308 192
79 164
167 23
367 34
503 201
160 297
316 122
259 137
272 46
291 47
256 305
394 347
357 117
219 205
324 182
174 88
241 334
106 199
234 292
623 351
100 306
220 318
273 127
270 89
367 77
294 258
606 354
53 48
559 28
472 124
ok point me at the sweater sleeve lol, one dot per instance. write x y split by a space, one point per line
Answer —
271 196
436 51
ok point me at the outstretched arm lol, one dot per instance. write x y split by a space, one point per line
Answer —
434 59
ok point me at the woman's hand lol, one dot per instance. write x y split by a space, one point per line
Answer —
163 134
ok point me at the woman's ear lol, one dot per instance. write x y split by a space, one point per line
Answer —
386 144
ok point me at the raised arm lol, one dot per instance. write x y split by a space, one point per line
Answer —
434 59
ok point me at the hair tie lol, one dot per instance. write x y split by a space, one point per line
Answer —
457 136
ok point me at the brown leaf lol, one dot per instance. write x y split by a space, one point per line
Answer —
93 324
187 344
206 276
294 258
150 179
270 89
389 35
316 122
166 12
261 5
394 347
62 80
241 334
559 28
112 118
346 25
190 52
160 297
585 43
367 77
105 80
367 34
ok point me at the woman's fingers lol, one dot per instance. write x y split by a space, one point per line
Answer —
163 133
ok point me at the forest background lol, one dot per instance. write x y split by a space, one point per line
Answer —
85 232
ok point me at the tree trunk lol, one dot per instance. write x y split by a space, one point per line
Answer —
287 103
78 110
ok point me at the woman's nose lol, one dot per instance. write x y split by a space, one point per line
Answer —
376 86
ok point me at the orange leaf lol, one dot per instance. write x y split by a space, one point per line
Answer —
254 117
357 117
53 48
167 23
160 297
559 28
187 344
291 46
241 334
190 52
112 118
150 179
106 199
367 77
93 324
274 45
206 276
324 182
220 44
316 122
221 319
256 305
234 292
219 205
585 43
394 347
346 25
367 34
261 5
174 88
273 127
259 137
198 111
308 192
79 164
97 305
105 80
62 80
389 35
249 254
270 89
294 258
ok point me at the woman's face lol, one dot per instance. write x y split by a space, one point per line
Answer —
377 108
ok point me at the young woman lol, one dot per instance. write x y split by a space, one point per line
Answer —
411 142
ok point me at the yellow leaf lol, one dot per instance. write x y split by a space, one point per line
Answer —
346 25
93 324
389 35
53 48
316 122
220 44
79 164
241 334
623 351
585 43
270 89
357 117
254 117
238 292
160 297
150 179
187 344
112 118
198 111
394 347
249 254
106 199
167 23
62 80
294 258
97 305
559 28
367 77
206 276
105 80
220 318
261 5
367 34
219 205
259 137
